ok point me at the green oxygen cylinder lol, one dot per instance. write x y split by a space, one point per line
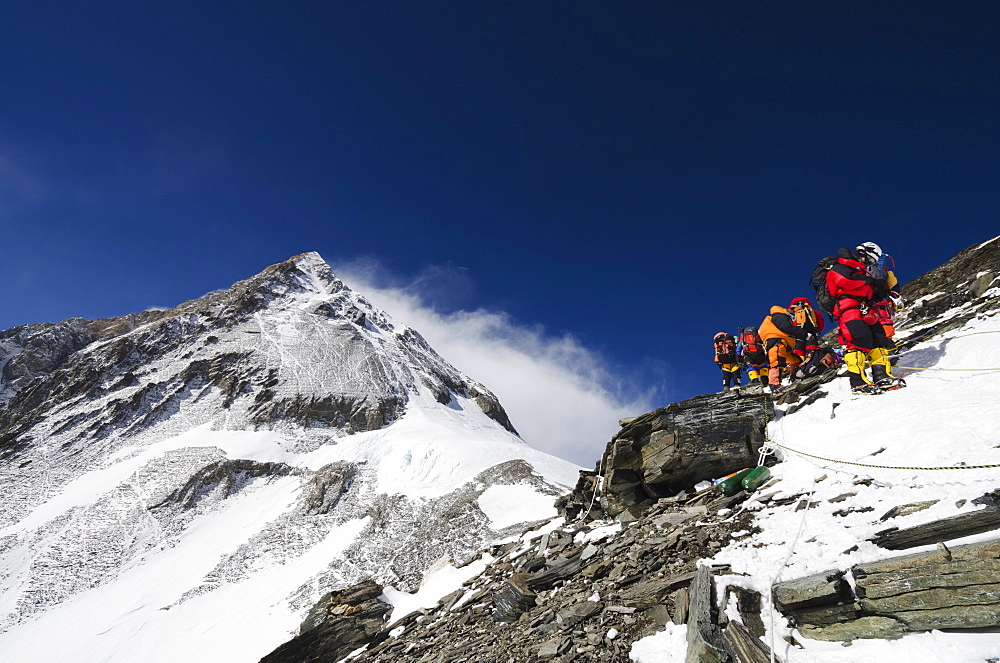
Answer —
755 478
731 484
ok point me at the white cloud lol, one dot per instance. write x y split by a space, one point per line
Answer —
563 398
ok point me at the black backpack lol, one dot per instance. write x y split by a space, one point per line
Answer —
725 348
824 299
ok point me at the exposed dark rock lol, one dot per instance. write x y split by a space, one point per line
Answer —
327 486
947 588
354 414
907 509
744 647
338 624
563 597
227 476
513 599
946 529
705 641
961 283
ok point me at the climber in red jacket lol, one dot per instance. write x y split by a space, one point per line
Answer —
860 330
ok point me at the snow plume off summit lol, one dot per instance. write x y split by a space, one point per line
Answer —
211 469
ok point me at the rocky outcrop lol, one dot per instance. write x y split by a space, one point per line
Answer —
226 476
583 592
964 286
946 529
672 449
327 487
948 588
340 623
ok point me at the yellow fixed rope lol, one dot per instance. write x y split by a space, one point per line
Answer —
883 467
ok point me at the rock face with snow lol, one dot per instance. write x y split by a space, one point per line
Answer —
290 345
948 296
947 588
263 445
578 591
339 623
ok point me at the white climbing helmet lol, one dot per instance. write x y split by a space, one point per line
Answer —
870 249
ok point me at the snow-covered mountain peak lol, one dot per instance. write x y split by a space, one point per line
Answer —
261 445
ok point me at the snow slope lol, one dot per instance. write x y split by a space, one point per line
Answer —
141 614
947 417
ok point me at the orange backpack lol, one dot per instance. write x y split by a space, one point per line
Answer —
804 315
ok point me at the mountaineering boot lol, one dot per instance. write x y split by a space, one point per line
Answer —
884 380
888 384
855 360
866 390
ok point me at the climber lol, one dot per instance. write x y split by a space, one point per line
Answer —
886 308
820 361
753 355
727 359
780 336
805 317
861 333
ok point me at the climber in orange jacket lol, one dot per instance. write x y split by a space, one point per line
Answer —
779 333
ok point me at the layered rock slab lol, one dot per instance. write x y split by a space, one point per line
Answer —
671 449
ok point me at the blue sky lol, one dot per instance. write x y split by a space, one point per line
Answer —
631 176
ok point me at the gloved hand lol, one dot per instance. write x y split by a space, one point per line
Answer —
880 290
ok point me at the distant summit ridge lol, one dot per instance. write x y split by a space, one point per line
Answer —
292 343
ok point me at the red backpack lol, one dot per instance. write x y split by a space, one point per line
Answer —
752 347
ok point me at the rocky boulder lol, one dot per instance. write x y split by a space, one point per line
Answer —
947 588
340 623
671 449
